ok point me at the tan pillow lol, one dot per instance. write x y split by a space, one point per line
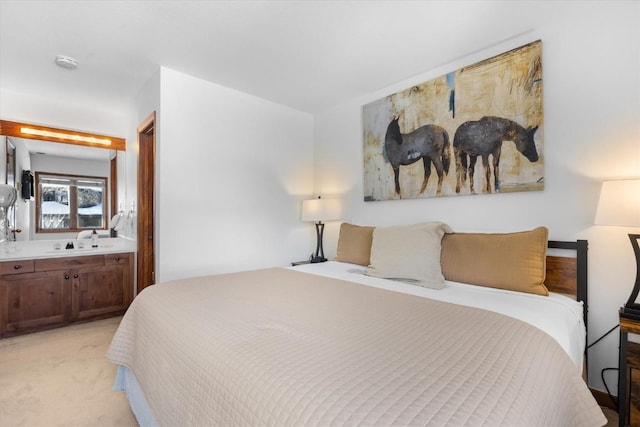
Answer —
513 261
408 252
354 244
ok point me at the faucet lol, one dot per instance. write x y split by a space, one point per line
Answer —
13 232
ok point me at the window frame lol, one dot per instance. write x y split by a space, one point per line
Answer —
73 197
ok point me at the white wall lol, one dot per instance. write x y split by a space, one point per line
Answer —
591 72
232 171
58 164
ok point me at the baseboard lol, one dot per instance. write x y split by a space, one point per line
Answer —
603 399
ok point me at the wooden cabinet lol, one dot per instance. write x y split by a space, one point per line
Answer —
633 387
629 374
42 293
33 300
102 290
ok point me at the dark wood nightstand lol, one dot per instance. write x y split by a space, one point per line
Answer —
629 375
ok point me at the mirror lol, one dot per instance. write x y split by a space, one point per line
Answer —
50 152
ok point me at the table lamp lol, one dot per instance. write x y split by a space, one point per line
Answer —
619 205
318 210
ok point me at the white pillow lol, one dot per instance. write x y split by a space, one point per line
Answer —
409 252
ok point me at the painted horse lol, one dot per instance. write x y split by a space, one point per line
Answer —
429 143
483 138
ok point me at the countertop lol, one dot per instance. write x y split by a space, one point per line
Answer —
11 251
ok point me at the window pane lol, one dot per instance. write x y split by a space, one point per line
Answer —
55 206
71 202
90 212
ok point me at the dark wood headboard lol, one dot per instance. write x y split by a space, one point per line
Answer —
568 275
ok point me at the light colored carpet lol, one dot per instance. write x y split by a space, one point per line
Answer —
61 378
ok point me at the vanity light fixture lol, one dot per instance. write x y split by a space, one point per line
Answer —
31 131
69 136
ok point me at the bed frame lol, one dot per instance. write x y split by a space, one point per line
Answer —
565 274
568 275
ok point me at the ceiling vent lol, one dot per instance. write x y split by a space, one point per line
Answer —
66 62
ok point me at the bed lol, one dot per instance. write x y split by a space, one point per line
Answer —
356 341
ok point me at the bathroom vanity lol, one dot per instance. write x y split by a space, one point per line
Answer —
43 287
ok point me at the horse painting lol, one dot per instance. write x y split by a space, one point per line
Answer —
483 138
429 143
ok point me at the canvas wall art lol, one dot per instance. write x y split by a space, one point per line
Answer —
475 130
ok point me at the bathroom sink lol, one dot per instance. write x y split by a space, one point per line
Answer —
70 251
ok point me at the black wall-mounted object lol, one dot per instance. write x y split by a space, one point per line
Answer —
27 185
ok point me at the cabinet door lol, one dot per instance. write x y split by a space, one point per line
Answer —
633 384
101 291
33 300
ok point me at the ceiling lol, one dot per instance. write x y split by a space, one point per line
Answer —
309 55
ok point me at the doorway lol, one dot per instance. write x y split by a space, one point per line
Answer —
146 202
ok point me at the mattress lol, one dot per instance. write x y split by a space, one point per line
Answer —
557 315
305 346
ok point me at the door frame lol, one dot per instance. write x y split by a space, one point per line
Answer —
146 269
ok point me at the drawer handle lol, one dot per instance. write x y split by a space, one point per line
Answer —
117 258
75 276
17 267
66 276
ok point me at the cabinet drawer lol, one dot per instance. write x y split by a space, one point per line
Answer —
64 263
16 267
110 259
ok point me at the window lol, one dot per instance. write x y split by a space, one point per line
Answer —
69 202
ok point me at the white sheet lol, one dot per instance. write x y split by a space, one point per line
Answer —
557 315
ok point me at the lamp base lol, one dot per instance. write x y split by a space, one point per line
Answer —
319 255
632 308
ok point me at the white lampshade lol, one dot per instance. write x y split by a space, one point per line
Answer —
619 203
320 210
